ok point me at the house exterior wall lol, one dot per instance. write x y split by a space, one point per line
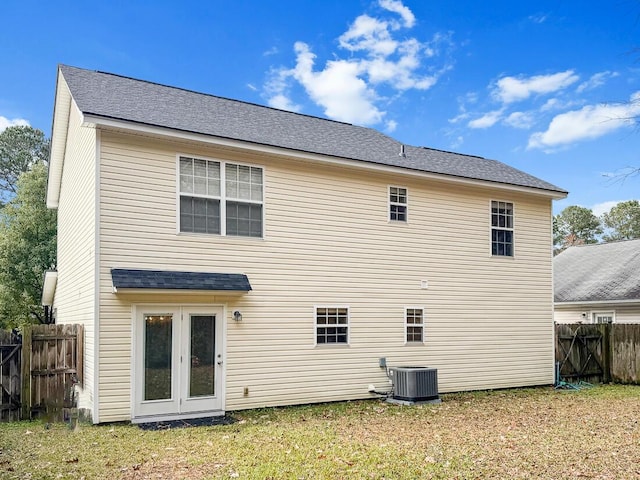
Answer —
623 312
76 286
328 242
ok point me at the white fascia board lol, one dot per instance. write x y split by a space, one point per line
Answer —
95 121
597 302
174 292
49 287
59 129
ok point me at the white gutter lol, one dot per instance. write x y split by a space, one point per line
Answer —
597 302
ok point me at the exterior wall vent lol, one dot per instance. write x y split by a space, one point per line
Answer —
414 384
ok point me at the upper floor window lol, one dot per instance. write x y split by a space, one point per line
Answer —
502 228
332 325
398 204
220 198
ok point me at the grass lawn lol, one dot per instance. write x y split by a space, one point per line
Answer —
524 433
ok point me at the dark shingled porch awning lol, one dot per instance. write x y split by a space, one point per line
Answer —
169 280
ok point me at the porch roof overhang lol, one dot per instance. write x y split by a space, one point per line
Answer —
159 281
49 287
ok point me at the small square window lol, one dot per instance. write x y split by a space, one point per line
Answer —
332 325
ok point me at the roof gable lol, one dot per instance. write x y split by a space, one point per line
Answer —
598 273
114 97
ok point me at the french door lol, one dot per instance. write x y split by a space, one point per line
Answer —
178 361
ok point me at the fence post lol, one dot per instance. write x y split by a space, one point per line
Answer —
606 353
25 374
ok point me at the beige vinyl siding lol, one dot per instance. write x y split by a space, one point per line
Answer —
328 241
624 313
75 290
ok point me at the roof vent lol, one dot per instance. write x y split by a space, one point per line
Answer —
402 154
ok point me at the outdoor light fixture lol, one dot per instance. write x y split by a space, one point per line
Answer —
237 316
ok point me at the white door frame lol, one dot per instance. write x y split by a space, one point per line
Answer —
179 406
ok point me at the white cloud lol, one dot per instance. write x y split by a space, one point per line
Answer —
551 104
271 51
604 207
596 80
369 34
391 126
539 17
523 120
513 89
487 120
460 117
469 97
591 121
457 142
6 123
350 89
251 86
400 73
557 104
397 7
338 88
277 90
283 103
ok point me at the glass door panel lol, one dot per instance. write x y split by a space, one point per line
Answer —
158 350
202 365
202 373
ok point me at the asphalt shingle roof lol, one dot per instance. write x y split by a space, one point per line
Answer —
168 280
600 272
121 98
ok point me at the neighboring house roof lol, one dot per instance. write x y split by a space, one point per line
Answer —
113 97
598 272
169 280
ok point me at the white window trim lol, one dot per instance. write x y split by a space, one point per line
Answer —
513 229
406 309
594 313
315 327
223 196
390 203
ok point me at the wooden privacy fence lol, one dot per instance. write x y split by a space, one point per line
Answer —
40 369
598 352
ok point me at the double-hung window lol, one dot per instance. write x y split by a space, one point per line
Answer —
332 325
501 229
398 204
414 325
603 317
220 198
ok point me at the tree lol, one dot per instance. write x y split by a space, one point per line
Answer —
576 225
21 147
623 220
27 249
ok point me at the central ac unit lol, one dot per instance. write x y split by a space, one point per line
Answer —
414 384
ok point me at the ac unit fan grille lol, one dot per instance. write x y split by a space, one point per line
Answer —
414 384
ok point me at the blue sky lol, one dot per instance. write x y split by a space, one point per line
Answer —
544 86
